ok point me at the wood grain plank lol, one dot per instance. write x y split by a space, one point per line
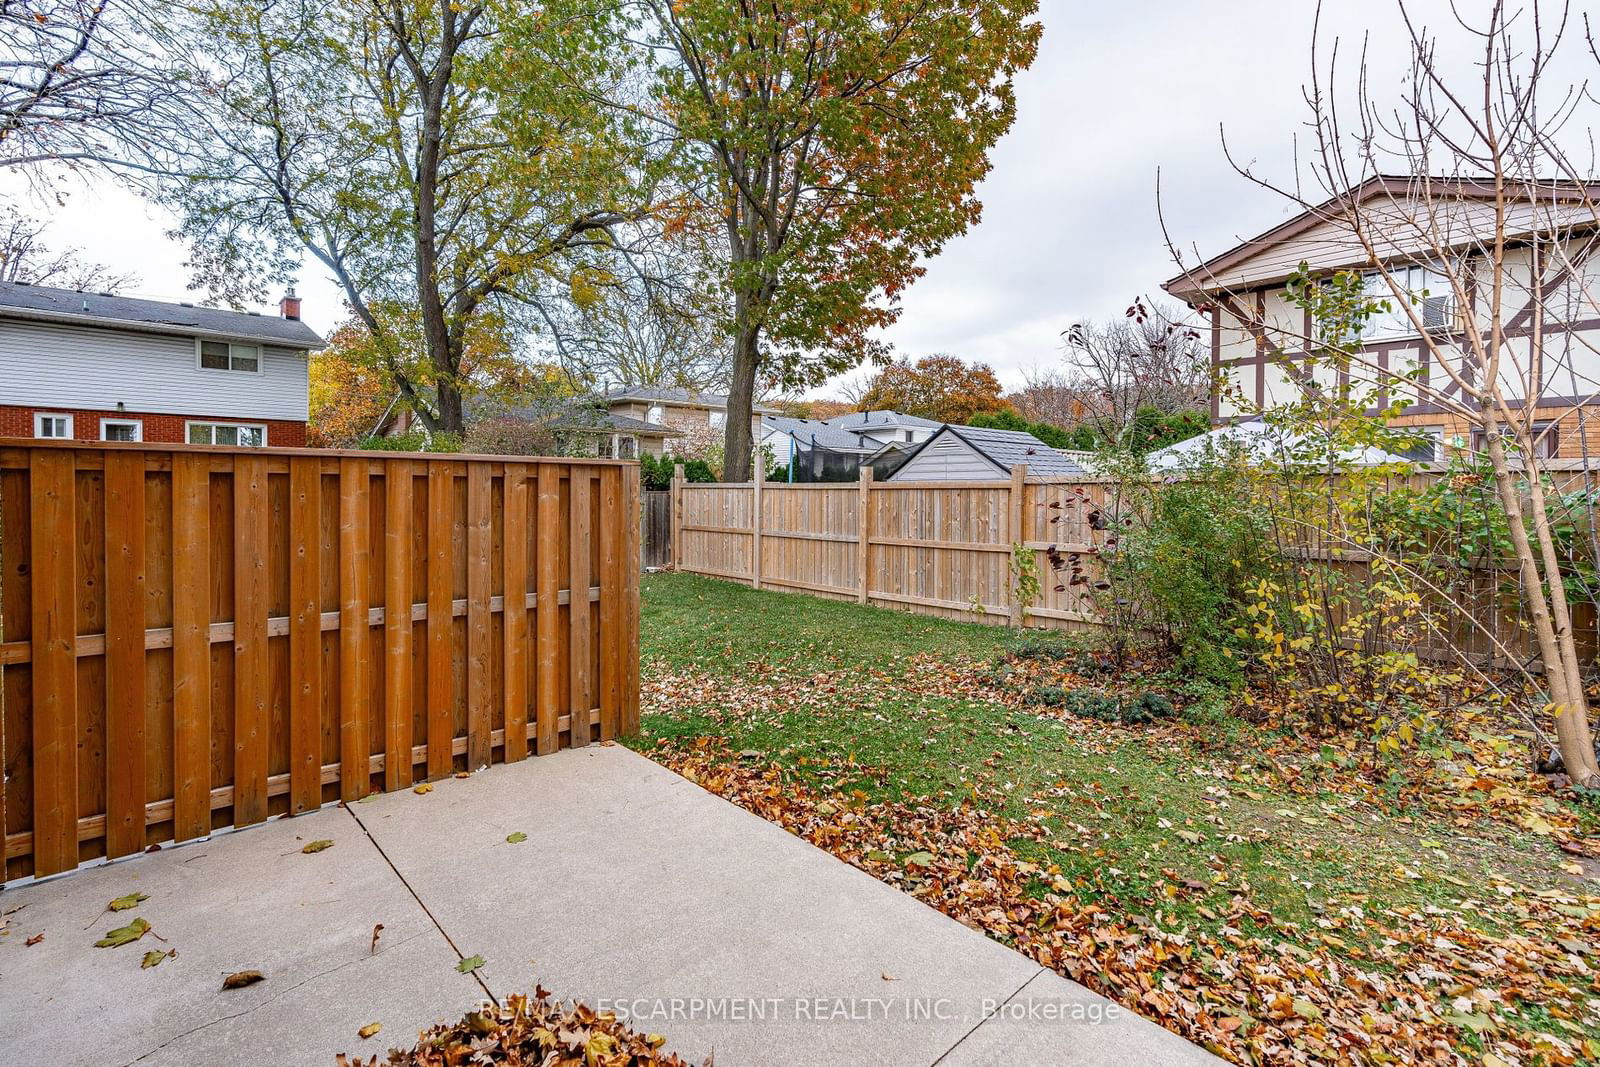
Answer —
191 645
441 668
480 560
630 604
355 632
613 519
55 670
252 663
547 618
125 671
514 560
398 477
580 642
305 634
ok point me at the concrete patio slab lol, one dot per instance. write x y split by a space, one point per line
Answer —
634 891
241 901
1057 1021
637 890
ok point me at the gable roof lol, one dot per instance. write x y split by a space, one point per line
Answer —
19 300
1194 283
671 394
577 414
815 431
860 420
1008 448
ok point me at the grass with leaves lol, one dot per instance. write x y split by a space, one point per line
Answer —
1270 896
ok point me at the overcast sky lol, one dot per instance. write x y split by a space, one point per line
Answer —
1070 228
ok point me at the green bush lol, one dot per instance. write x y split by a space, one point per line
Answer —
1190 558
1091 704
1146 708
413 441
1051 696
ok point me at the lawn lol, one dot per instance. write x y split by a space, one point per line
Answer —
1274 897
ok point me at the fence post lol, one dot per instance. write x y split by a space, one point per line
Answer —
677 516
755 524
1019 488
864 549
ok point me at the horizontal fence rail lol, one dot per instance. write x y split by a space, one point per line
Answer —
194 638
948 549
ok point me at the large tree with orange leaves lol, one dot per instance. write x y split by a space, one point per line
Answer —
937 387
836 143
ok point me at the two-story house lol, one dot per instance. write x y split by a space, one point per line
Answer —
695 415
1425 232
96 367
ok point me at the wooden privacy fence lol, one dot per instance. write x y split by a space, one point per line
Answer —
938 548
195 638
946 548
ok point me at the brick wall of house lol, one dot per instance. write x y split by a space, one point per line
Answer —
158 428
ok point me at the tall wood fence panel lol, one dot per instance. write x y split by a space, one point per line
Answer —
194 638
949 549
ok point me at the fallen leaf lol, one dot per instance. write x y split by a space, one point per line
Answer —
369 1029
34 940
422 787
240 979
155 957
919 859
470 964
516 838
317 846
124 903
463 774
376 930
124 935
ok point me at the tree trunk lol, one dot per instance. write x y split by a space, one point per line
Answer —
737 442
1557 651
450 418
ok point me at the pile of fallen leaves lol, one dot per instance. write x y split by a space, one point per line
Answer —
530 1031
1364 982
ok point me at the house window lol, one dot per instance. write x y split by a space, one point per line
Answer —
53 427
628 447
1432 298
717 419
224 355
121 430
1424 445
1546 436
237 434
657 414
910 436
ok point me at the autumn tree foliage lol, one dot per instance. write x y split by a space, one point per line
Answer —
451 159
348 392
835 143
939 387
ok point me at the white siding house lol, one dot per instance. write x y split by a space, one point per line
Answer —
95 366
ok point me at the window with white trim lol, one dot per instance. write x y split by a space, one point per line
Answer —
121 430
1430 294
237 434
224 355
656 414
52 427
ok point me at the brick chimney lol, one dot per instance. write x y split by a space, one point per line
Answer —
289 306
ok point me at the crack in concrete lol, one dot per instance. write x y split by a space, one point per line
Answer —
276 994
945 1054
437 925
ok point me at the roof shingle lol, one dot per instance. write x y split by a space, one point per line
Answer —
20 300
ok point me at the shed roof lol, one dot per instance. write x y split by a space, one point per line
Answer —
1008 448
43 303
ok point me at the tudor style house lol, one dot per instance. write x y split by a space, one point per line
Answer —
1258 334
97 367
